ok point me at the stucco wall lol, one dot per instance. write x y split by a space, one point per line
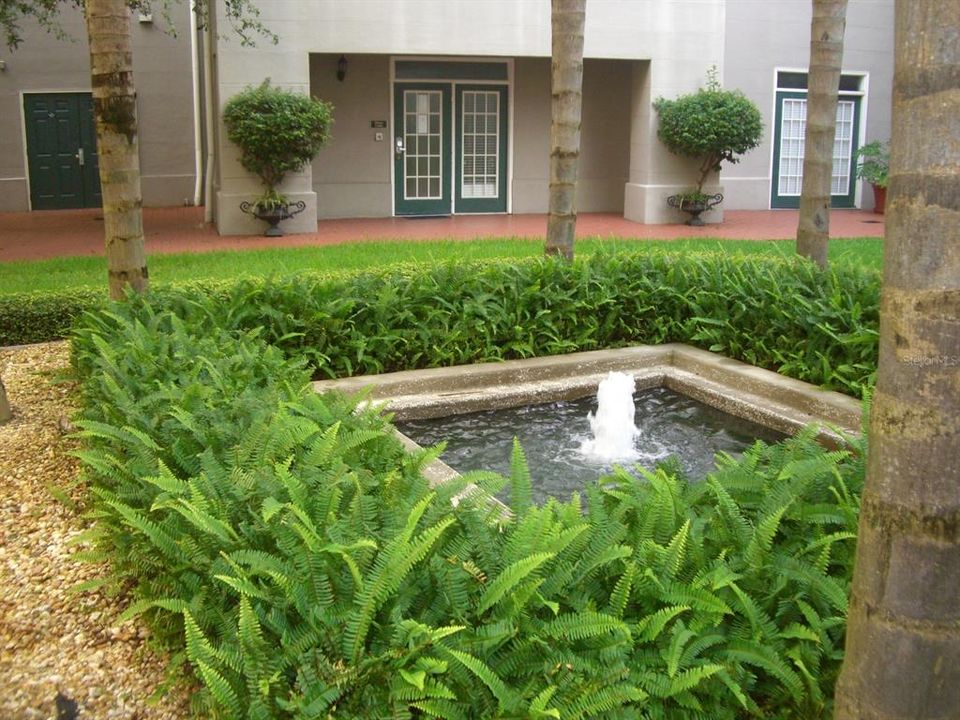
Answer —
763 36
604 142
351 175
625 29
162 72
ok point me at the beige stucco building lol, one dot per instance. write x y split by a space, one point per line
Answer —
47 143
443 106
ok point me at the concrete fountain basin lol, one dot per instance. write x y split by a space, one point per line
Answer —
744 391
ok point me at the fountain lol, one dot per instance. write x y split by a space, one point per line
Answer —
613 427
569 444
689 403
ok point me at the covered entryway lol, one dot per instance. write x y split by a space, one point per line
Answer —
420 137
61 151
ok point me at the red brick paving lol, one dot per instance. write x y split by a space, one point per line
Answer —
64 233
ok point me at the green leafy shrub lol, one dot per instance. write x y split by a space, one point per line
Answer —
786 315
296 557
40 317
712 125
874 163
278 131
45 316
778 314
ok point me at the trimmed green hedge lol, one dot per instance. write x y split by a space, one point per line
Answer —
38 317
787 315
44 316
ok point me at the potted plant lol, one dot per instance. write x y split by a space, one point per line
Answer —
712 125
874 167
278 131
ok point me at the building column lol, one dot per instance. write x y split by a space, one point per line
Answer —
655 172
238 67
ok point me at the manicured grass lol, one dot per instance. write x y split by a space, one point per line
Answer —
64 273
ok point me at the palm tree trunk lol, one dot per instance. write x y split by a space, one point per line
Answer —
567 19
903 636
823 85
115 113
5 413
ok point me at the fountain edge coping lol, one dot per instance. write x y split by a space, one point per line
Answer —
735 387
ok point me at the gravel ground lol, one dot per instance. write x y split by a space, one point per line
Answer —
52 640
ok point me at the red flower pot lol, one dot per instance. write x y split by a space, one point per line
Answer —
879 199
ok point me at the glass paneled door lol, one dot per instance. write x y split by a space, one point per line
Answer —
788 150
481 148
421 149
450 156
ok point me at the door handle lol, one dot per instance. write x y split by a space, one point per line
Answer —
79 157
400 148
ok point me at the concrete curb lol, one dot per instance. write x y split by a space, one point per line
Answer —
734 387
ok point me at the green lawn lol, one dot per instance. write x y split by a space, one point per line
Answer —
63 273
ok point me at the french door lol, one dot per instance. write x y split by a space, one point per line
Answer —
450 148
788 151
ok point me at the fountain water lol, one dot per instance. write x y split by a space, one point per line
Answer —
613 427
562 455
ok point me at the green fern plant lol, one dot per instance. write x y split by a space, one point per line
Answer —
287 548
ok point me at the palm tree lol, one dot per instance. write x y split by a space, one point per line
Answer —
823 85
115 115
567 19
903 636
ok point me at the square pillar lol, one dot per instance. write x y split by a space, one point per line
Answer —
237 68
655 172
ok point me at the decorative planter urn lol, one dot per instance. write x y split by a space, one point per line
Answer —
274 214
695 207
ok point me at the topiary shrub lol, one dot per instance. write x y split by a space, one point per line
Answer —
711 125
278 131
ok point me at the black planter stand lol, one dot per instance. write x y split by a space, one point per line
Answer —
695 207
273 215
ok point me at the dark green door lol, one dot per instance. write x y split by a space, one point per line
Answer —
62 151
481 152
422 180
788 149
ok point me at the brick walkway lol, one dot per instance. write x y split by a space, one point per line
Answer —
63 233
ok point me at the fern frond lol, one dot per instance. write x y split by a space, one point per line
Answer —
584 624
650 626
509 578
506 698
521 488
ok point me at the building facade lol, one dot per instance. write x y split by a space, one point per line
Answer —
443 106
48 154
